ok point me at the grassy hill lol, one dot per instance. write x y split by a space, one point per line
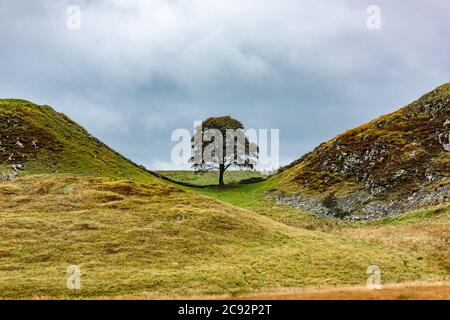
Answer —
72 202
133 238
41 140
393 164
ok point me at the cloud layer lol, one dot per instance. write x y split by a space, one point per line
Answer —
137 70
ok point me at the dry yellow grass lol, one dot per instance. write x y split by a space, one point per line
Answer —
417 290
401 291
130 237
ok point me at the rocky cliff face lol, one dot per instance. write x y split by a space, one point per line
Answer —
393 164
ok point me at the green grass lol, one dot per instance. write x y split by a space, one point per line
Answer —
254 197
211 177
131 238
78 202
424 232
62 146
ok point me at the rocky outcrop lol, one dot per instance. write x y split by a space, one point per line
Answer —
396 163
11 173
362 206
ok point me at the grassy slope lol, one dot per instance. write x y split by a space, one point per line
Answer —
145 235
423 233
131 238
61 145
406 139
253 197
209 178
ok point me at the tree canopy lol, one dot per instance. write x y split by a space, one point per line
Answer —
220 143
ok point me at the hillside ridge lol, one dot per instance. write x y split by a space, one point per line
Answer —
35 138
392 164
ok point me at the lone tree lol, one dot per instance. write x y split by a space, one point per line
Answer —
220 143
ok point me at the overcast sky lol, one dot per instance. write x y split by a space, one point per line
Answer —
138 69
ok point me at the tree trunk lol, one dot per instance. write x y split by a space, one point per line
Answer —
221 172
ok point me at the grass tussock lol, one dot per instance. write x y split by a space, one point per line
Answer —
130 237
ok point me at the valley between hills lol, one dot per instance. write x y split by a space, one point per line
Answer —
375 195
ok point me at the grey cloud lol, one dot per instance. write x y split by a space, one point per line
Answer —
139 69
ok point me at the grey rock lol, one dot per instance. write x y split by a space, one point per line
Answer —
363 205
